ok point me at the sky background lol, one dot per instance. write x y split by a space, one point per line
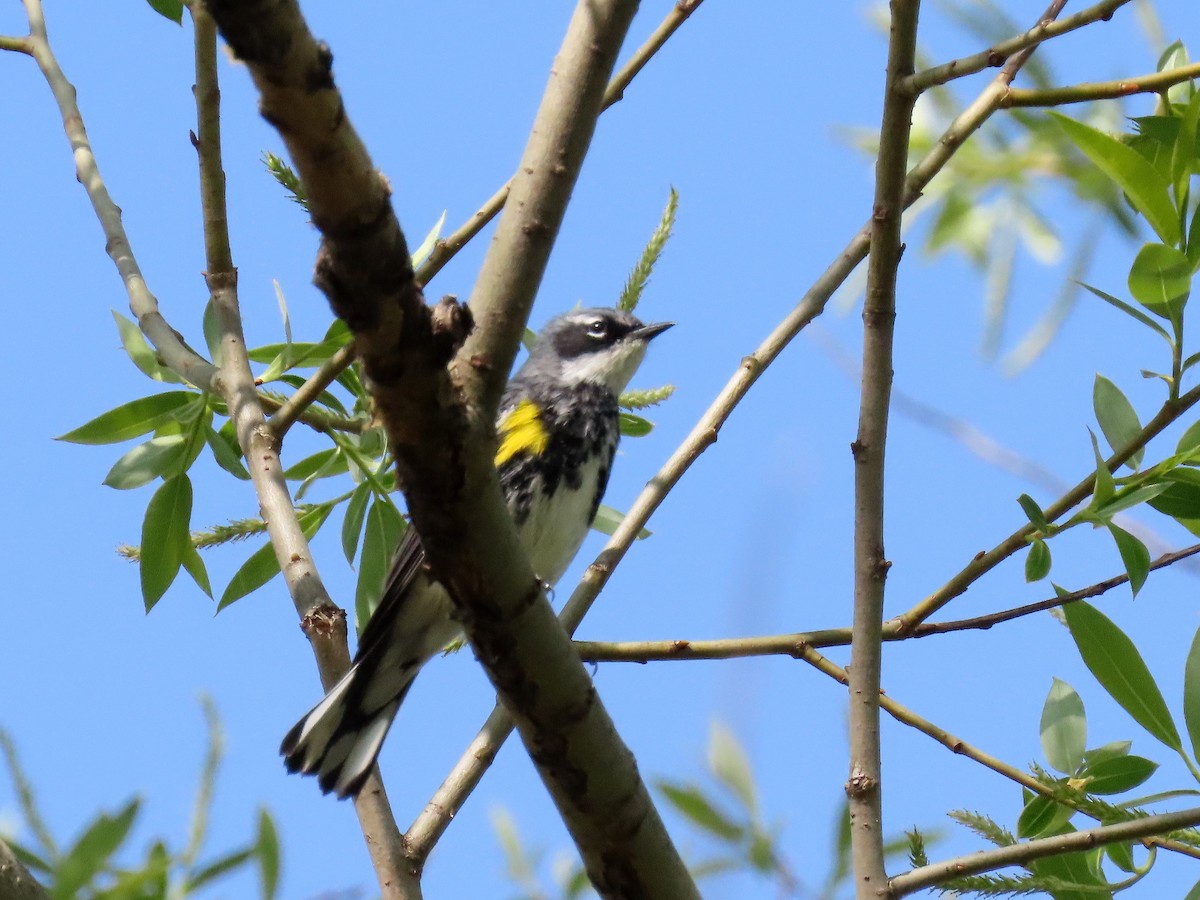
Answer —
743 113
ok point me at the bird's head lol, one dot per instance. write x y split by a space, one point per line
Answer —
598 346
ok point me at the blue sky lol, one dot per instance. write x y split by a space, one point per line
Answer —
740 113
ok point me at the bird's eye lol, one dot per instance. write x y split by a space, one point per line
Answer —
598 328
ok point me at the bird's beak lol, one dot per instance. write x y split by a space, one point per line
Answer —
646 332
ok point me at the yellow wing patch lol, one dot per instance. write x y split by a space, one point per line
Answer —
522 431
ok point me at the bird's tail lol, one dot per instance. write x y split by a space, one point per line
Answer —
340 737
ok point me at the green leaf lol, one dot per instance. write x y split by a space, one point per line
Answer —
608 519
1063 728
1117 417
1128 310
212 332
1121 853
226 452
1037 563
262 565
352 524
690 801
223 865
1034 513
635 426
1105 486
1105 752
317 463
147 461
1116 776
165 537
1183 152
168 9
1191 695
267 848
194 566
1147 189
1194 893
1127 499
1042 815
140 351
431 239
727 760
1161 279
132 419
385 526
102 838
1120 669
1134 555
1080 877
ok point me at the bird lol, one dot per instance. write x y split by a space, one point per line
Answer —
557 430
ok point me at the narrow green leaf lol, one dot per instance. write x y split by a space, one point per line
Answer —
635 426
147 461
1120 669
1118 775
1117 417
1146 188
165 537
1134 555
1161 280
727 761
311 465
1128 499
431 239
385 526
194 566
1034 513
1191 695
608 519
1183 153
99 841
223 865
1105 752
140 351
267 848
212 332
1194 893
226 452
1037 562
262 565
691 802
1129 310
1063 728
352 524
1105 486
1041 816
132 419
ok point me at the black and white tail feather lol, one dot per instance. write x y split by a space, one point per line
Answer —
565 394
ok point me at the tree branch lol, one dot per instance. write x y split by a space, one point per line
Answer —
997 55
15 881
260 444
1027 851
864 785
1152 83
172 351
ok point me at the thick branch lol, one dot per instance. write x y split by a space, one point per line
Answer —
1027 851
15 881
864 788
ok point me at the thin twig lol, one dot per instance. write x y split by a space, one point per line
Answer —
985 561
998 54
172 351
1151 83
295 407
1026 851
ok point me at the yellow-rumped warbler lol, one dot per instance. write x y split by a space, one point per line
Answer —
558 427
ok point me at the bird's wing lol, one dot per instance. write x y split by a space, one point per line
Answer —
406 565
